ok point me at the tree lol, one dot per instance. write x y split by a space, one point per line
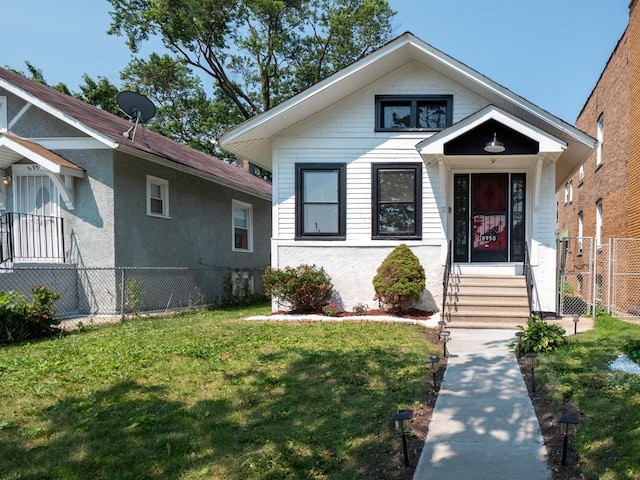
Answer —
101 93
258 52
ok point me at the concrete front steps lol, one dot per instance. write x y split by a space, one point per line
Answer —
486 301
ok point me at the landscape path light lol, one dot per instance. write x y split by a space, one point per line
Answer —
442 324
433 366
402 419
445 335
568 424
519 336
532 360
576 319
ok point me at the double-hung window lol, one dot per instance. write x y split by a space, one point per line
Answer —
397 200
321 201
157 197
242 226
419 113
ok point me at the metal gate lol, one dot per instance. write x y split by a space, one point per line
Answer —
605 276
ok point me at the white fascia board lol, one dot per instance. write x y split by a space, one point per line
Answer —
57 113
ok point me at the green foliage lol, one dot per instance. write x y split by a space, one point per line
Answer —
305 288
632 349
210 397
608 440
279 47
133 296
400 279
240 295
22 320
540 336
566 288
330 310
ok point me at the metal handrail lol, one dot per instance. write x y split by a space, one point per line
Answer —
31 237
531 286
445 277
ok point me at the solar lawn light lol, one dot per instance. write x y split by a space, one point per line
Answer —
442 324
576 319
532 360
568 423
519 336
402 419
445 335
433 366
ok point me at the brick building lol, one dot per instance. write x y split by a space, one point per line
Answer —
601 199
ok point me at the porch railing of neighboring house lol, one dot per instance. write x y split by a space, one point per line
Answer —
532 292
31 238
445 279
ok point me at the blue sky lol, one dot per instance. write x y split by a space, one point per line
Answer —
551 52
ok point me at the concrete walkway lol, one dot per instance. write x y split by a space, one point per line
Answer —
483 426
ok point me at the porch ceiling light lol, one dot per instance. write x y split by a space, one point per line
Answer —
6 180
494 146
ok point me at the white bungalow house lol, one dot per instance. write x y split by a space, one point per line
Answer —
408 145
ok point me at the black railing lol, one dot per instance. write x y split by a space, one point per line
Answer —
532 293
31 238
445 279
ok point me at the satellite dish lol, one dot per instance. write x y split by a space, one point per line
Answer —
137 107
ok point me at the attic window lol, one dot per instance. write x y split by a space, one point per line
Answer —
413 113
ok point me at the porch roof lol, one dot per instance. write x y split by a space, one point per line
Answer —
13 148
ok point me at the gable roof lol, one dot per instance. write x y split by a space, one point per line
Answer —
253 138
108 129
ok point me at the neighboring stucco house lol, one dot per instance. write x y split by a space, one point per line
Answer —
79 191
393 149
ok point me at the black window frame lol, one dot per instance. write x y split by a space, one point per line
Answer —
375 203
301 169
412 101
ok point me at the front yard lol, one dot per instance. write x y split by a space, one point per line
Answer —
206 395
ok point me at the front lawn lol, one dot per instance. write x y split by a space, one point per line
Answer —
209 396
608 440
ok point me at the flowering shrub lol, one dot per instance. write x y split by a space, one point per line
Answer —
330 310
306 287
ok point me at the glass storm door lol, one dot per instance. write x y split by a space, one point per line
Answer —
489 217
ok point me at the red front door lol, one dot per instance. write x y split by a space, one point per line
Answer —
489 217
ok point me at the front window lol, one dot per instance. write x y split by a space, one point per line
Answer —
320 200
580 230
157 197
397 200
423 113
242 226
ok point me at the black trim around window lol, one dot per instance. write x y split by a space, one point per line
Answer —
396 209
423 113
329 206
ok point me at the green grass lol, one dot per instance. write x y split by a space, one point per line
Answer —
608 440
209 396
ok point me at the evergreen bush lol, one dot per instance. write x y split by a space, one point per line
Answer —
400 280
21 320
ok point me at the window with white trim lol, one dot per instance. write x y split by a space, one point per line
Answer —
600 138
566 193
581 173
157 197
599 222
571 191
3 114
242 226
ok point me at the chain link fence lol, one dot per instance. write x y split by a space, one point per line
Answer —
605 276
122 292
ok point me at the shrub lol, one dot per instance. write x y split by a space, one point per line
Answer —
631 348
540 336
305 288
21 320
399 280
